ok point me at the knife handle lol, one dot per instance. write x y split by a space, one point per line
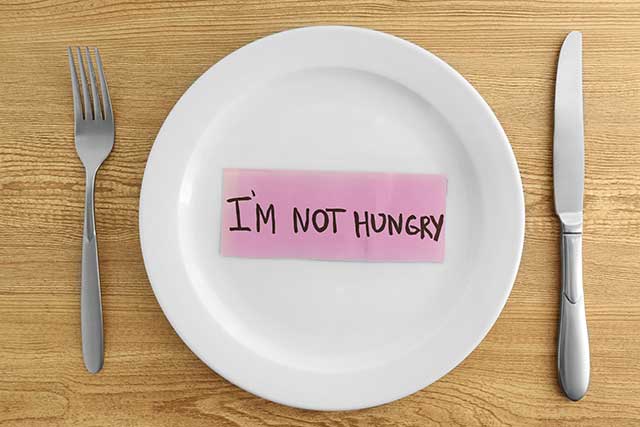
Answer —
573 338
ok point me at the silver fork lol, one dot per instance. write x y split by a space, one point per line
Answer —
94 135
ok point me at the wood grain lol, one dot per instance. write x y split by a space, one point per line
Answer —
154 51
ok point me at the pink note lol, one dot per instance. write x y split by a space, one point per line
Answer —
333 215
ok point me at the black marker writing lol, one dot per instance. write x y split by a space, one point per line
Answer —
383 222
395 225
237 200
261 215
411 229
298 218
438 224
320 219
323 219
358 223
334 211
411 225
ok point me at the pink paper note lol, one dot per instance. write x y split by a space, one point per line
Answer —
333 215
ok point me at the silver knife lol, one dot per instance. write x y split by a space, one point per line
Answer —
568 185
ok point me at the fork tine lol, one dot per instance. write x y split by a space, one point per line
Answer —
97 115
85 89
106 100
77 102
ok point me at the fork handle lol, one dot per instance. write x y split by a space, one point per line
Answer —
90 301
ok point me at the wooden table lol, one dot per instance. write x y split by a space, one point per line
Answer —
153 51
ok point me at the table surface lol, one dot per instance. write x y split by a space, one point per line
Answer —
153 51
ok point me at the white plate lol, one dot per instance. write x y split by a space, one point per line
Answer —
331 335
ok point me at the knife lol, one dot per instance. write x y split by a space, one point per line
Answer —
568 186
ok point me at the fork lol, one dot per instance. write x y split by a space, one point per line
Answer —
94 136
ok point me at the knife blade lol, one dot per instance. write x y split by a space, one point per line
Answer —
568 138
568 184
